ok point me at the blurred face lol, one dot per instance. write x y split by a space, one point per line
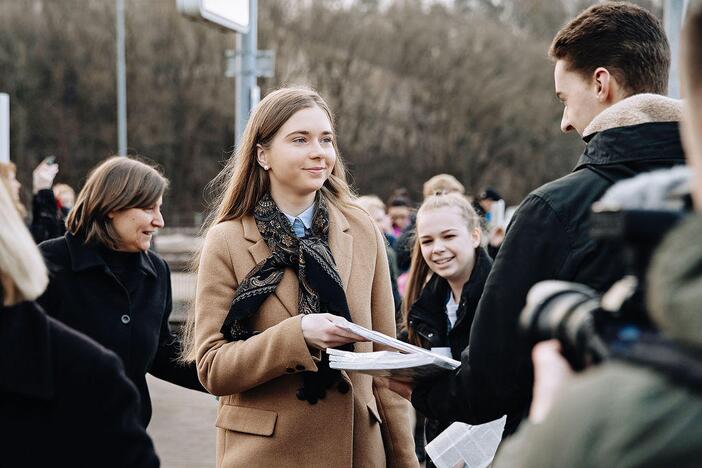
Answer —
136 226
379 216
14 185
66 197
579 98
447 243
301 156
399 216
485 204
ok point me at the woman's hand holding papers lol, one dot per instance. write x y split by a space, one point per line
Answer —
322 331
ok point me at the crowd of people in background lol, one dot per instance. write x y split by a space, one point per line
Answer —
291 256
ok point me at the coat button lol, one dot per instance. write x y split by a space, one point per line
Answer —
344 387
300 367
126 319
289 370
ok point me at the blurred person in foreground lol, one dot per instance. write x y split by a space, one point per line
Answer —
106 283
611 71
634 413
64 400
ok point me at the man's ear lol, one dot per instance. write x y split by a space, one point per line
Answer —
261 157
606 85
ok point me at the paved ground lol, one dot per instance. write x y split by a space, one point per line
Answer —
182 425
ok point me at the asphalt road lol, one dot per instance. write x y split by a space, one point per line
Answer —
182 426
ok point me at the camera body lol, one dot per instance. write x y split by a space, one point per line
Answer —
590 325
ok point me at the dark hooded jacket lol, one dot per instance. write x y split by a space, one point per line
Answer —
548 238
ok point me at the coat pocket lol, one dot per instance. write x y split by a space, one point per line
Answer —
247 420
373 409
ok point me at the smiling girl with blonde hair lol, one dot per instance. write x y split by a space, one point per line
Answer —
446 279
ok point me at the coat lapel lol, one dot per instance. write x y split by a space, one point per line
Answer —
340 243
288 290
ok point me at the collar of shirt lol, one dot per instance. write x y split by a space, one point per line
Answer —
306 216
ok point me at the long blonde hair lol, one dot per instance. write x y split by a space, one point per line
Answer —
419 271
23 274
242 182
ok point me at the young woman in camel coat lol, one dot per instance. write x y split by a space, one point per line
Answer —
285 191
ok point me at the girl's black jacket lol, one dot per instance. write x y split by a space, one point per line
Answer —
427 316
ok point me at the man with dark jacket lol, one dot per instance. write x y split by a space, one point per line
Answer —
653 417
611 69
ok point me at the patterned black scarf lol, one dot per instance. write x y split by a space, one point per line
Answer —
321 289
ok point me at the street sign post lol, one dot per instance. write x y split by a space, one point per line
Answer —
229 14
246 63
4 127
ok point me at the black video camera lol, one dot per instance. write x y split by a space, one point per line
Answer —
590 325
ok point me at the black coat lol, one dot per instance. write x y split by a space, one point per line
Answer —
547 239
48 220
64 399
427 316
85 295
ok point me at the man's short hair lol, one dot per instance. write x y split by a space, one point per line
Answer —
624 38
692 55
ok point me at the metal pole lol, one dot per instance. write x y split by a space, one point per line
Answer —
121 82
246 89
4 127
673 15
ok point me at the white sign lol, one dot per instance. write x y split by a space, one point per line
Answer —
4 127
229 14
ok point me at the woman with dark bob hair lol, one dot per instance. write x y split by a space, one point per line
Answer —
106 283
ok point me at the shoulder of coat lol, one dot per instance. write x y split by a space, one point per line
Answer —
55 250
359 219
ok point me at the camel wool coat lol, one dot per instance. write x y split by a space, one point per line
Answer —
260 420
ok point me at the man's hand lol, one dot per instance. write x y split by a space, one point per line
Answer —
551 371
322 331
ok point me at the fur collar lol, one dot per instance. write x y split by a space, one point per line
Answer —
634 110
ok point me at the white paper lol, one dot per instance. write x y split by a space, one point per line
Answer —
377 337
475 446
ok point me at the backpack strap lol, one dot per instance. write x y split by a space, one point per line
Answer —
678 363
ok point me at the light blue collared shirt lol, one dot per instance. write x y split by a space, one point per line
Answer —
305 218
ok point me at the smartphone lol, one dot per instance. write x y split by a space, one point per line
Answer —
50 160
497 214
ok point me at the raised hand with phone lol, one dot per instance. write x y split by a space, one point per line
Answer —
44 174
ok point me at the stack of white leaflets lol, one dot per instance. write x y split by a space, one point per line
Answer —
410 363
